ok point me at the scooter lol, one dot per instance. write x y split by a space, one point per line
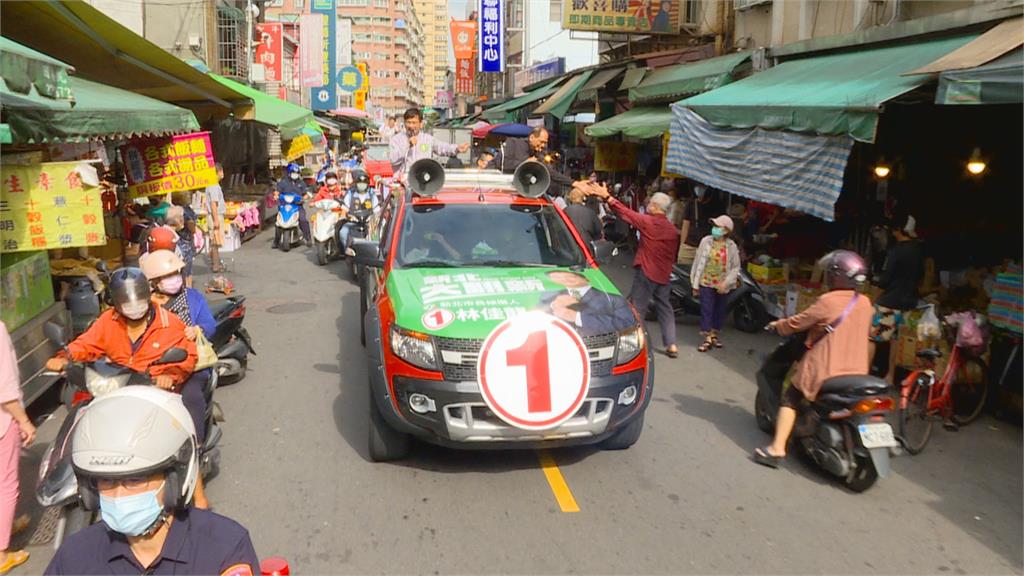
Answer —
231 340
325 230
359 228
57 484
847 430
746 303
286 228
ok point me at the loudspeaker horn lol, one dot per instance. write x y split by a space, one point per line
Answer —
531 179
426 177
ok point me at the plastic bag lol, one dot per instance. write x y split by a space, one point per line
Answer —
968 333
928 327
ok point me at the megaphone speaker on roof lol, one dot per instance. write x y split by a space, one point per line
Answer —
531 179
426 177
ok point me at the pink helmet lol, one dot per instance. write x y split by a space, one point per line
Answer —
844 270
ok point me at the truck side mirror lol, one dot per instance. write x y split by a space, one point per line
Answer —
367 253
603 250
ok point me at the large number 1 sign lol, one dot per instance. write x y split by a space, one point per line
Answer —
534 371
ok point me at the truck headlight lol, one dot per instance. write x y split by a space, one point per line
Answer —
413 347
631 343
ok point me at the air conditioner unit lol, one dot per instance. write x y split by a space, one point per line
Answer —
741 5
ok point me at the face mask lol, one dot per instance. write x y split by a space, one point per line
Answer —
171 284
135 310
294 175
131 515
718 232
332 181
362 186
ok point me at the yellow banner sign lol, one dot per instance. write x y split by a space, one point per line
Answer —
359 99
664 158
45 206
169 164
299 146
615 156
624 16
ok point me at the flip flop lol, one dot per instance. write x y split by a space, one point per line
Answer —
672 353
762 457
14 559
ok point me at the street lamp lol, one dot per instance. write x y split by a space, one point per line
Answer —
976 164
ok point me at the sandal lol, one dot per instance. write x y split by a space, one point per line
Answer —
715 341
706 345
672 353
764 458
15 558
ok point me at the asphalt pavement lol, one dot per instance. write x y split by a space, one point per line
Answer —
685 499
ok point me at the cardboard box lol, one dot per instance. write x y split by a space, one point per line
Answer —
767 274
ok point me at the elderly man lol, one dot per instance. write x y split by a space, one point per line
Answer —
655 256
412 145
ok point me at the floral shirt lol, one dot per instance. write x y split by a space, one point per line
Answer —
714 269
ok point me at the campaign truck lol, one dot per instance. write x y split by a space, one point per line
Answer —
488 323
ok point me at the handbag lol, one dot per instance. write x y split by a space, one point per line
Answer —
207 355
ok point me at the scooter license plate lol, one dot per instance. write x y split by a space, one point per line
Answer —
876 435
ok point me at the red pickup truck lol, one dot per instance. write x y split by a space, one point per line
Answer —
376 162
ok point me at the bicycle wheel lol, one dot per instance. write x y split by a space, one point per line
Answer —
969 390
915 422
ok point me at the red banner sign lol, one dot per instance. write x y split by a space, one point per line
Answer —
463 38
170 164
270 50
464 75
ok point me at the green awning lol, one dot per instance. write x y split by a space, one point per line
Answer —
26 71
832 94
505 112
560 102
674 82
5 134
998 82
100 111
313 130
286 117
600 79
633 78
639 122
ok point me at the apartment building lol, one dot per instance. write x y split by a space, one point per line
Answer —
433 16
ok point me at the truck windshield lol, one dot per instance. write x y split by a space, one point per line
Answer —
457 235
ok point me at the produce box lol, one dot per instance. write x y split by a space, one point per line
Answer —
767 274
25 287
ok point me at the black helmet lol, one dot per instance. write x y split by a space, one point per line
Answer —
129 292
844 270
360 176
331 174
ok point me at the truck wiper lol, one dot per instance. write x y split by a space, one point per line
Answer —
512 264
432 264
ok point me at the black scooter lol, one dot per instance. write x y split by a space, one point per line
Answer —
57 484
359 218
847 430
231 340
746 303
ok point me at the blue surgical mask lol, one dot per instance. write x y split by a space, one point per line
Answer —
718 232
131 515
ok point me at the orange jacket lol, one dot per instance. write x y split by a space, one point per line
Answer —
108 336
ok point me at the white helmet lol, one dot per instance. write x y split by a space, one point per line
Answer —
136 431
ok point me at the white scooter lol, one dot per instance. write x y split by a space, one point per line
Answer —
325 225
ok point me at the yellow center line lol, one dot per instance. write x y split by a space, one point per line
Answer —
557 483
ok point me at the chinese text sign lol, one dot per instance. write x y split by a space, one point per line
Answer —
44 206
172 164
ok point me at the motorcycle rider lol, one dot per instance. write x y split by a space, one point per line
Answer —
837 343
163 269
133 333
356 199
294 184
136 456
331 189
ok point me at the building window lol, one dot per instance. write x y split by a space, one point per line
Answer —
299 4
354 3
381 3
231 40
382 20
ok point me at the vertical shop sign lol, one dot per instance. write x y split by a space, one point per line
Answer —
491 49
324 95
359 96
463 38
170 164
464 75
49 205
270 50
344 55
311 49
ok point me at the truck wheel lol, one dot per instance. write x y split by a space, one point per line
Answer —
626 437
386 443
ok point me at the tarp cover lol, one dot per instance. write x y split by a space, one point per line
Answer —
639 122
673 82
788 169
998 82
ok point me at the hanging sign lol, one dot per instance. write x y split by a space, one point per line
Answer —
169 164
615 156
463 37
491 49
664 158
270 50
464 73
324 94
299 146
311 49
49 205
623 16
350 79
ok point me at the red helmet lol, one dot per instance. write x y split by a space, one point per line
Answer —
162 238
844 270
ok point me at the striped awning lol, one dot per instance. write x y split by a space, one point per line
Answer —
784 168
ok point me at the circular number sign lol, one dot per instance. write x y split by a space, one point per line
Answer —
534 371
437 318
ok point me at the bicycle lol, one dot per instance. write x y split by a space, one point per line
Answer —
958 397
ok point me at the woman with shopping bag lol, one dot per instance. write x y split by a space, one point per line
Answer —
163 269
